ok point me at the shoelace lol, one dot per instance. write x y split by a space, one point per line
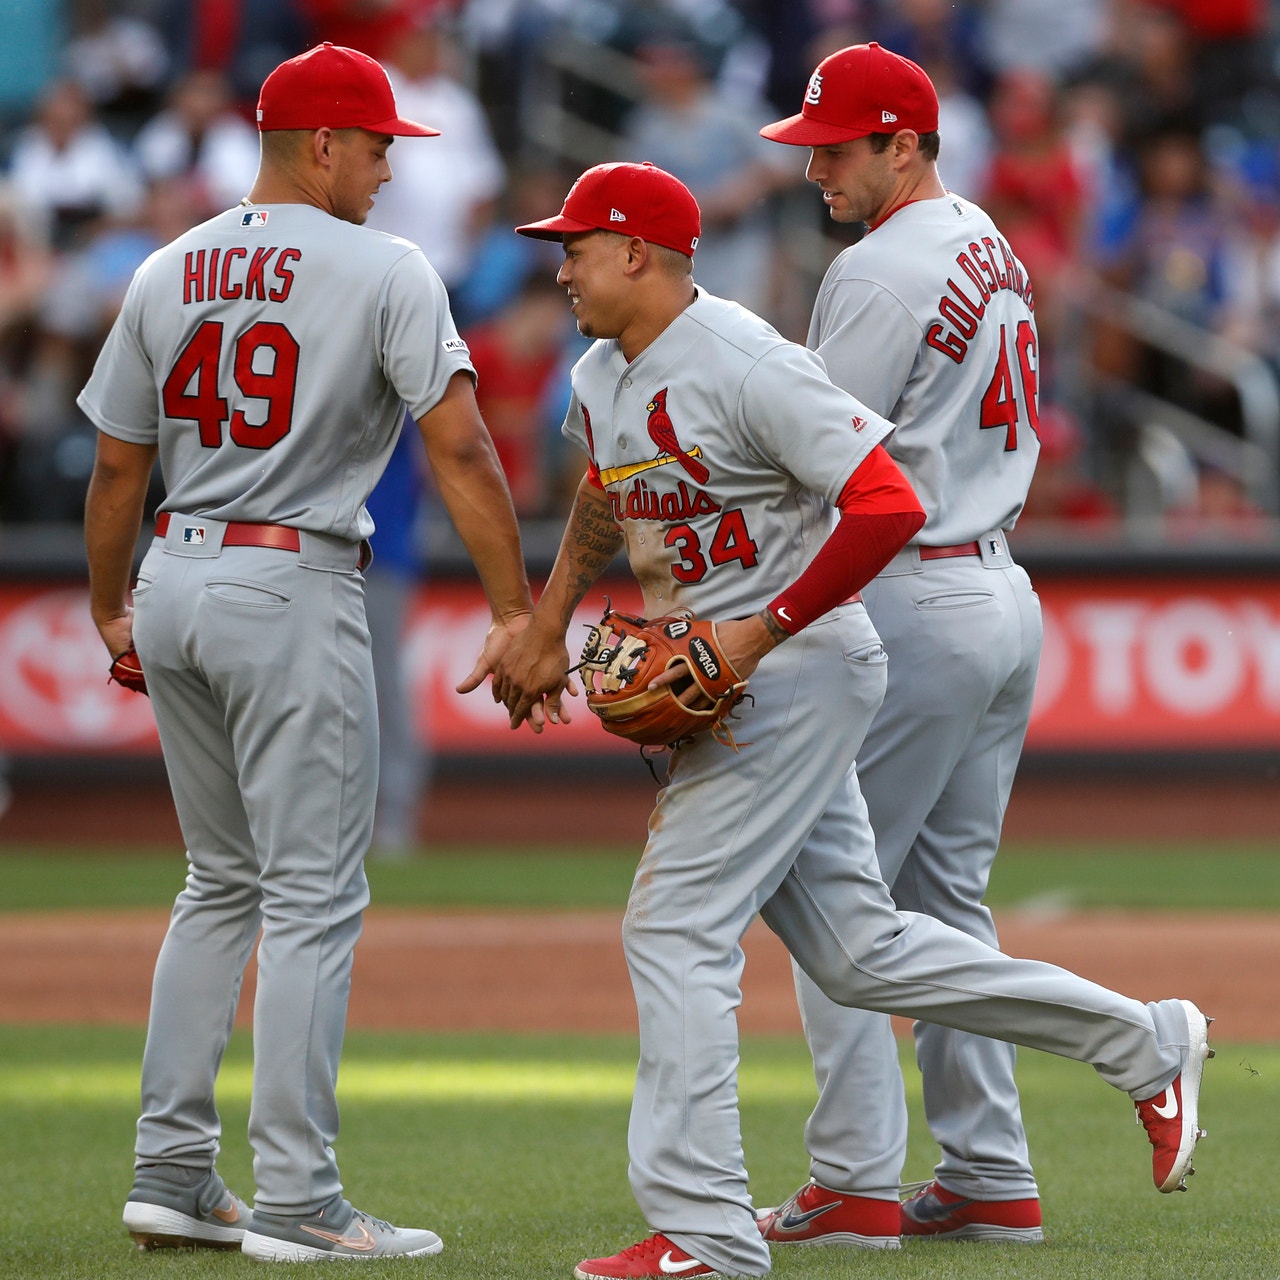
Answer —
1144 1114
646 1248
377 1222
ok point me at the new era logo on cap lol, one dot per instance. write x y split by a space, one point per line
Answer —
660 208
887 117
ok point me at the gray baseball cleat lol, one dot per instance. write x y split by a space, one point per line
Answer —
339 1230
175 1207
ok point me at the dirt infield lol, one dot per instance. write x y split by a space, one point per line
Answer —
565 972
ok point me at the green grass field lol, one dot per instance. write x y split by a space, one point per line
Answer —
513 1147
1230 876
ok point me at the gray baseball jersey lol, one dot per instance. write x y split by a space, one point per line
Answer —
269 353
720 447
278 347
722 460
930 318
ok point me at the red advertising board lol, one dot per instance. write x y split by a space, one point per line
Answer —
1130 664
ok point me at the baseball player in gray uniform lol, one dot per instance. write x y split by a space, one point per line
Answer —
929 319
268 356
748 489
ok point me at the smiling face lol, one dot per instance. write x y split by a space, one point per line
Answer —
360 167
857 182
594 274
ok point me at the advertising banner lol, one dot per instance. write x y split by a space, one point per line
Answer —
1130 664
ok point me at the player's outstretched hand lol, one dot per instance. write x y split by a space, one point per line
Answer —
496 640
531 678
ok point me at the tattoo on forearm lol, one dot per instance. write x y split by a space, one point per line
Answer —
774 627
591 541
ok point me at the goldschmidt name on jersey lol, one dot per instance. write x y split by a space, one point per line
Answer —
990 268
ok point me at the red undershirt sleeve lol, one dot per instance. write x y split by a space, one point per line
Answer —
879 513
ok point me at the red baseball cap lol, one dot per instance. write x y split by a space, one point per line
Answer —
635 199
330 87
856 91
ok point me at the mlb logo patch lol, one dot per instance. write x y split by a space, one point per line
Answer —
455 344
193 535
254 217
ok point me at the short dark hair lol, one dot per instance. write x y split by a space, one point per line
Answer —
928 143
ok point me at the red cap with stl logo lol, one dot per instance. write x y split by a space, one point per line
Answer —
634 199
330 87
856 91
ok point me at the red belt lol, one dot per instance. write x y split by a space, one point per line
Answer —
945 553
280 537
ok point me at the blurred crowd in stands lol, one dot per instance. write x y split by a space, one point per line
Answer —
1129 149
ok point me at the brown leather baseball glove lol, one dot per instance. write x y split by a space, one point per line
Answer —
622 657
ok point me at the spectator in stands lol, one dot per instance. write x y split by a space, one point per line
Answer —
444 190
243 39
68 168
938 33
1151 60
1220 510
374 27
26 267
1182 252
1052 37
1035 192
502 262
1093 123
964 161
1062 492
712 144
120 61
198 136
56 452
516 356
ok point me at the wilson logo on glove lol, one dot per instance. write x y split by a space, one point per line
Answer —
623 657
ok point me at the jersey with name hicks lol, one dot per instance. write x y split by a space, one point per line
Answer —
270 352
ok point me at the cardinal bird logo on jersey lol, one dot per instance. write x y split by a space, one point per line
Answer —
663 433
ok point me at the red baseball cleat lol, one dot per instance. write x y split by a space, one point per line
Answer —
818 1215
655 1257
934 1213
1170 1118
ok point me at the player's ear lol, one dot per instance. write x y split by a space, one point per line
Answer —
322 145
637 254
